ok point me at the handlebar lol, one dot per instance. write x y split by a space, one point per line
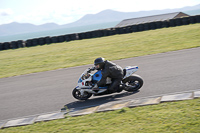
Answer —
91 69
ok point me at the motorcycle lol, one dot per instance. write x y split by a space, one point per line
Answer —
130 82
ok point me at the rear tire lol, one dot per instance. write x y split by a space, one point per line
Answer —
77 94
133 83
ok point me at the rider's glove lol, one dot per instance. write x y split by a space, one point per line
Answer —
91 69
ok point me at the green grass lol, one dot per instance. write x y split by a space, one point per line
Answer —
81 52
171 117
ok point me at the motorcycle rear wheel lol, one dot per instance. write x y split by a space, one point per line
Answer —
133 83
77 94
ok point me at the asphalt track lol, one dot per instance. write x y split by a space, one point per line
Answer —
50 91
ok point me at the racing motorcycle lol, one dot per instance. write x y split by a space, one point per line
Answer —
130 82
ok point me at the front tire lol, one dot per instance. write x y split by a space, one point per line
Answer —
77 94
133 83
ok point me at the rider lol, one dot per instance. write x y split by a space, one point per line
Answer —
109 69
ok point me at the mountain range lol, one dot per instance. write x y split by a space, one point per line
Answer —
106 16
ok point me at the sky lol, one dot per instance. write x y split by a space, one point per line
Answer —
66 11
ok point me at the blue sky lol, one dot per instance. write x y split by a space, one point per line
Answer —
66 11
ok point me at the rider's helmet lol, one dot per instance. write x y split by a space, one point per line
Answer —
99 61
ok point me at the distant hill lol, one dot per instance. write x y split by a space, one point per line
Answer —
112 16
19 28
105 16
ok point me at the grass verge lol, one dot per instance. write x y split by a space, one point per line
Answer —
81 52
172 117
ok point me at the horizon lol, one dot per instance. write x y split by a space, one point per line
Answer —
92 14
62 12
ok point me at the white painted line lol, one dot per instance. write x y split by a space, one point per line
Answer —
196 94
20 122
52 116
177 97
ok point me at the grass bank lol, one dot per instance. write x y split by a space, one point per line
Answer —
171 117
81 52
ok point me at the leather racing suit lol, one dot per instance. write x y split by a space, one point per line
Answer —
113 71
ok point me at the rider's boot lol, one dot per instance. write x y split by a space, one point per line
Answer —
121 87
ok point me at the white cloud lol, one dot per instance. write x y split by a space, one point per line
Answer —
67 11
6 12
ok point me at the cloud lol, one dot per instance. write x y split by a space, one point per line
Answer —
6 12
67 11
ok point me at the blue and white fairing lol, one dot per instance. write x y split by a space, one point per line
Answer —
83 79
97 77
130 70
87 80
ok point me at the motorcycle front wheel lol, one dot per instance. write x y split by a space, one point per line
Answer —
77 94
133 83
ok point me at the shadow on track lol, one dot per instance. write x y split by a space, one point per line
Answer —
97 101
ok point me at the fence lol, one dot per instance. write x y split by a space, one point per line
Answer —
100 33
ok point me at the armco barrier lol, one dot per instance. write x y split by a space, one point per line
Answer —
101 32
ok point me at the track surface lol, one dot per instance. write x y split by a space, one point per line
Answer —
49 91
